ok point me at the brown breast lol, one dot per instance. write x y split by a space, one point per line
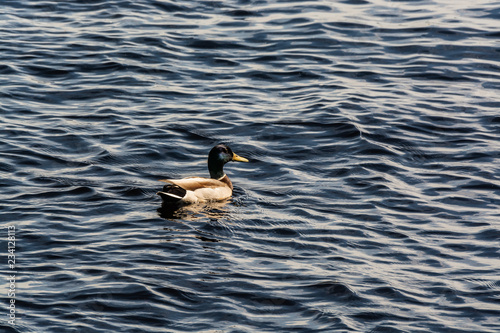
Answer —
226 180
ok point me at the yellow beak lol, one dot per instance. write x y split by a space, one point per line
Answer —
239 158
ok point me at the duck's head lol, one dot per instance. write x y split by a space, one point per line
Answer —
218 156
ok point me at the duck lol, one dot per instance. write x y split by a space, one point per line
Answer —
192 190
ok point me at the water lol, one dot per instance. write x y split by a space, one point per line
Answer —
370 204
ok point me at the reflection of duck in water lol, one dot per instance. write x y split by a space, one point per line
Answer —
213 210
198 189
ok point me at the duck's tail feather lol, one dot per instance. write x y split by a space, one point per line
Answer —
172 193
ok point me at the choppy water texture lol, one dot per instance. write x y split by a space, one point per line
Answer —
371 202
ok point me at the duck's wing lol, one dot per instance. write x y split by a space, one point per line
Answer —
196 183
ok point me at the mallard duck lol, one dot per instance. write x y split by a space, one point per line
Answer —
198 189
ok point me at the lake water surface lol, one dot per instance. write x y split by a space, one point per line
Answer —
371 202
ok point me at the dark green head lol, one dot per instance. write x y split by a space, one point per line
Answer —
218 156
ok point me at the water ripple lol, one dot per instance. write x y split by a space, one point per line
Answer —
370 203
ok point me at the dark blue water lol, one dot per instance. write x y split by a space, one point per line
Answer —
371 202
